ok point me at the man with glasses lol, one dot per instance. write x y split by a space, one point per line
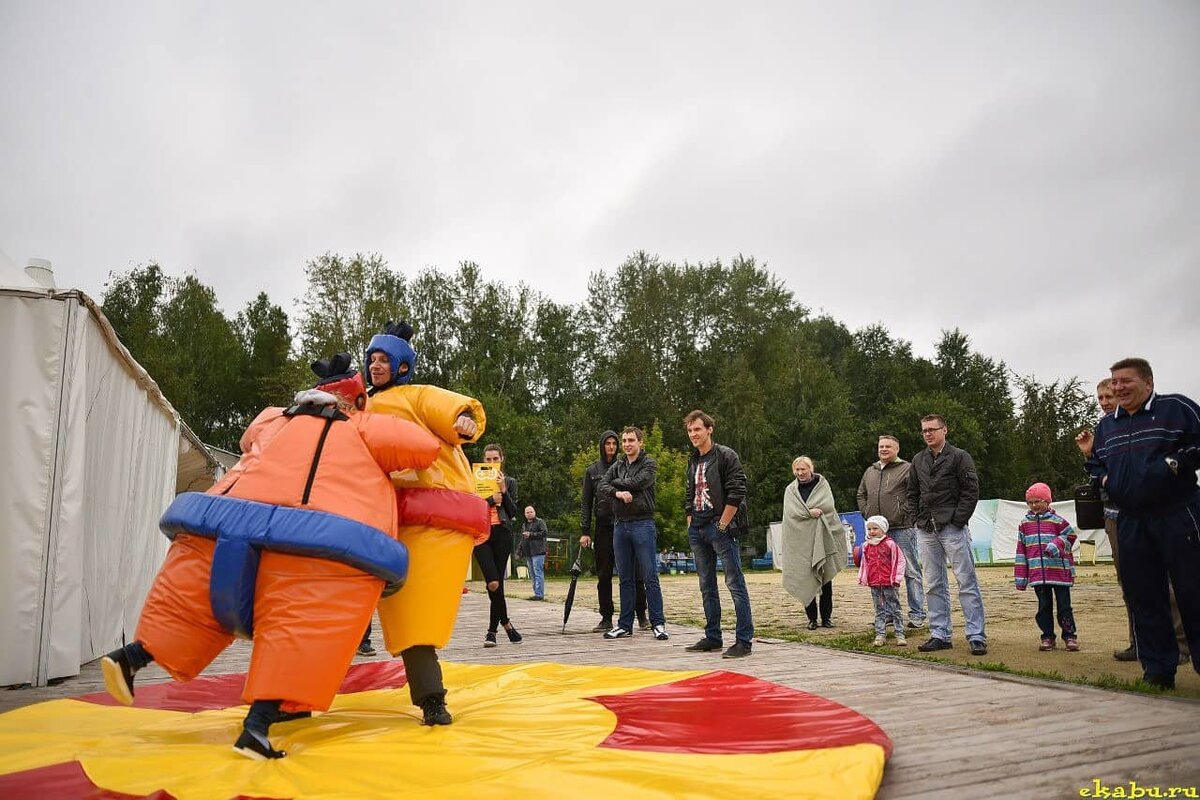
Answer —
943 490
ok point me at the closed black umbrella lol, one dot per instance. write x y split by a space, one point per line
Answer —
576 571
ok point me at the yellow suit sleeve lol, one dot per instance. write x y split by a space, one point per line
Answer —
440 408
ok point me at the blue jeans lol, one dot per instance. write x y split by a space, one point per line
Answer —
906 538
708 544
635 543
537 572
955 544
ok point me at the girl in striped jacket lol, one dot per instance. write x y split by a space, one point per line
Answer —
1044 560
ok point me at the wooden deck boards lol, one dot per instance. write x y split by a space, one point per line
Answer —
956 733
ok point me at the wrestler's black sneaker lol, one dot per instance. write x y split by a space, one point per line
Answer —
255 747
434 709
118 676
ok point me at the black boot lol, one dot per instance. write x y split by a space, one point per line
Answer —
434 709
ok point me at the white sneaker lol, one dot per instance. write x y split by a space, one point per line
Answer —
880 639
901 641
618 633
660 633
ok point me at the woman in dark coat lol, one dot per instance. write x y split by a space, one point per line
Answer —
493 554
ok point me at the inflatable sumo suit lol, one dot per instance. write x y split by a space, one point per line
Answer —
441 518
291 548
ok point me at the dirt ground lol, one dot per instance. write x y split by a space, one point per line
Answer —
1013 635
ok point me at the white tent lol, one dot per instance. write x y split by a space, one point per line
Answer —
91 454
996 523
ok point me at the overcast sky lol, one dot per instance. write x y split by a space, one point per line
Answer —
1026 171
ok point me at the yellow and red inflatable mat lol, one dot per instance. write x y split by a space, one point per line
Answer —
519 731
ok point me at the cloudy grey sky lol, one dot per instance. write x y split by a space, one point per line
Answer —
1026 171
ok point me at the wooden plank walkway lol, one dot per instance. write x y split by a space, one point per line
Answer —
957 733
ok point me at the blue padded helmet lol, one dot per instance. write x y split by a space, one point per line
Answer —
394 342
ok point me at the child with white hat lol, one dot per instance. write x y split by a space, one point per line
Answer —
881 567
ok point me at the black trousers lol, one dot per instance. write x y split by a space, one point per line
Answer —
1110 527
1160 550
1048 597
423 672
826 604
602 547
492 556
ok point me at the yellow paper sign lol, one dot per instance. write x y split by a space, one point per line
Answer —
487 479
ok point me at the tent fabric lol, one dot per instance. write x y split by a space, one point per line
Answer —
90 459
994 530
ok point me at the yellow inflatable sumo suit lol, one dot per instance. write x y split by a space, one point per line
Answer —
440 517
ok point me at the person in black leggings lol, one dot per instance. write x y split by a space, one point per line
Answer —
493 554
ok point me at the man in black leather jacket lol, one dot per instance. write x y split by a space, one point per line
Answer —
630 481
601 541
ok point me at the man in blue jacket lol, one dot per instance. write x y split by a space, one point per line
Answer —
1145 455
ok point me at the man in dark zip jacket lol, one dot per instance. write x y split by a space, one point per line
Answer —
1145 455
943 490
601 541
630 482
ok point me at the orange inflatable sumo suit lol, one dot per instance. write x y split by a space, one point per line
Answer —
312 483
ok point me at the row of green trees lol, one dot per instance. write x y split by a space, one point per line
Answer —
648 343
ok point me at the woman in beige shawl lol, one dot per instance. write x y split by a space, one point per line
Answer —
814 542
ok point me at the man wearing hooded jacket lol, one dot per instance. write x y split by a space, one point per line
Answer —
602 541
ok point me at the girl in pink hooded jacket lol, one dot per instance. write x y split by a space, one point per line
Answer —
881 566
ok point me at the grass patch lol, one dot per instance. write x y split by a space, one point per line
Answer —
863 643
